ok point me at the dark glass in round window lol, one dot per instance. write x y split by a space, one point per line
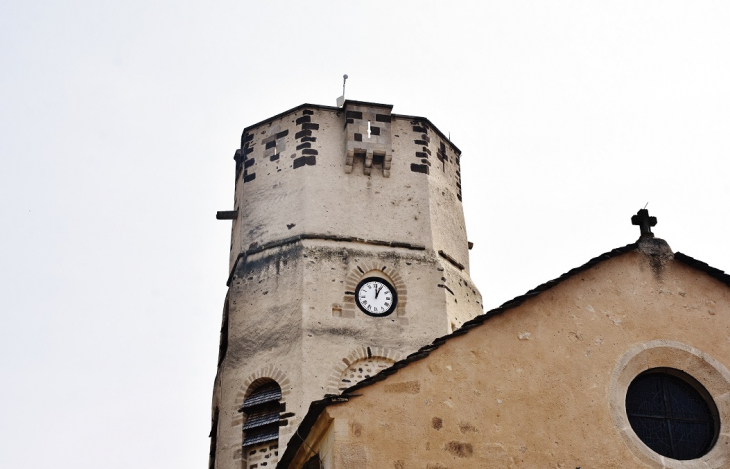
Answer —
672 413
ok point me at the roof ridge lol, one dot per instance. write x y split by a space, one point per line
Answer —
704 267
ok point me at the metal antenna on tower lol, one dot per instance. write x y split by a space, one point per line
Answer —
341 99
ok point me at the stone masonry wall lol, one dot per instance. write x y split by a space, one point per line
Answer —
311 222
543 384
295 176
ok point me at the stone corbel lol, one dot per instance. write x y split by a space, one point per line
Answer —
349 159
368 163
386 163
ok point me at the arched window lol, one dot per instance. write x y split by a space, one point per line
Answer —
261 428
672 413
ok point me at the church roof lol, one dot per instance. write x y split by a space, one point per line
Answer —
316 407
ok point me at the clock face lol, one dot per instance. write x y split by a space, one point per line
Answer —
375 296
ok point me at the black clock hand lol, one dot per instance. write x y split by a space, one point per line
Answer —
377 291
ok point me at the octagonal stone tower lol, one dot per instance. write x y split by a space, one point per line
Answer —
324 198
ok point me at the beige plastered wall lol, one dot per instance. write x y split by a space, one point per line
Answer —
541 385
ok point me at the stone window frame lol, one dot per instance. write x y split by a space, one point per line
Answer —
253 381
671 381
708 371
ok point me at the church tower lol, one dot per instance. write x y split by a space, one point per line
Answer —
348 252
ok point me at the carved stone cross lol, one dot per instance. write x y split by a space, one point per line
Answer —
643 219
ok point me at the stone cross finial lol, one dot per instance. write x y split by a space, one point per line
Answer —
643 219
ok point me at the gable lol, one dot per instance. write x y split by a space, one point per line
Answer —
540 385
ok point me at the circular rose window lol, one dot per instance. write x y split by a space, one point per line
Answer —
672 413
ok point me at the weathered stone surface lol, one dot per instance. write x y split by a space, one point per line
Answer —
544 384
306 233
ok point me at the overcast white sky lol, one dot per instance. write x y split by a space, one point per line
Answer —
119 120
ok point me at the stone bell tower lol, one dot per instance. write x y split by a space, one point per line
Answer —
330 202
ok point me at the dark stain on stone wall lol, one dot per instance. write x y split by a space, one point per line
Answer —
459 449
255 340
466 427
356 428
338 331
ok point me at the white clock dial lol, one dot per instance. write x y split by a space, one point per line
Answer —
375 296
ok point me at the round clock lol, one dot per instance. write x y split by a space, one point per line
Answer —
375 296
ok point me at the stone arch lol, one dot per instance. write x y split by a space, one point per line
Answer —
269 373
374 357
373 268
266 452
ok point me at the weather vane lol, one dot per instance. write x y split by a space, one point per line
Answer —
341 99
